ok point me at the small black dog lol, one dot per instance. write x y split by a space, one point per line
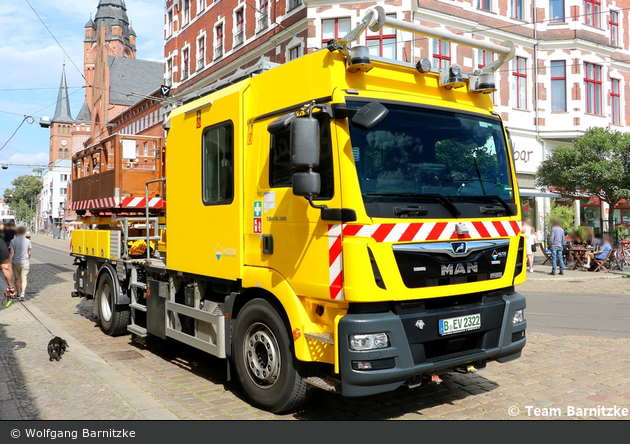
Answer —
56 348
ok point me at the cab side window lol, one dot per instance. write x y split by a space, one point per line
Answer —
218 164
281 171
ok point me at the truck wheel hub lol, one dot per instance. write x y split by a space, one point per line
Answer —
262 355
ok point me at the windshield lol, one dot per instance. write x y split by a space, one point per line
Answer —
419 151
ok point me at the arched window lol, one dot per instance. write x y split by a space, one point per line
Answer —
65 153
60 152
58 129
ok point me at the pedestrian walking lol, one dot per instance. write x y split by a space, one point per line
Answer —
7 272
20 250
530 242
557 240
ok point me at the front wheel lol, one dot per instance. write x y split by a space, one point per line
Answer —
113 319
270 375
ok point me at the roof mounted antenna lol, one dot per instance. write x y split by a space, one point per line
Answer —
481 80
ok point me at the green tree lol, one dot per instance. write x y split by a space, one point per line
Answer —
597 165
22 197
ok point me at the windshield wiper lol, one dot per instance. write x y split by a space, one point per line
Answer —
494 198
444 201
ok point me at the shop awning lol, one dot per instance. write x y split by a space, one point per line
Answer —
533 192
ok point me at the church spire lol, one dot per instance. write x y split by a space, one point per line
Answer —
62 112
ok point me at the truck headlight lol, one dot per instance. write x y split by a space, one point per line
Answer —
369 342
519 317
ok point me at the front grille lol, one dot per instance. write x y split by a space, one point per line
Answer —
431 265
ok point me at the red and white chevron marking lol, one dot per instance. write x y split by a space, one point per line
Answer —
136 202
108 202
432 231
335 262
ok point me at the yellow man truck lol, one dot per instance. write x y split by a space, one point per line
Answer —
340 222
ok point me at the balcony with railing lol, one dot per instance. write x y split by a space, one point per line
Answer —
200 63
239 38
185 73
169 81
218 51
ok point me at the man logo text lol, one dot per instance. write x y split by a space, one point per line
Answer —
450 270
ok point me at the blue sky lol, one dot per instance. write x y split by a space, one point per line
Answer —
32 59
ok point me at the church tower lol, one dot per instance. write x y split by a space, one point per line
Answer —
62 126
109 34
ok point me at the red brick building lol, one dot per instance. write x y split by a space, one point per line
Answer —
207 40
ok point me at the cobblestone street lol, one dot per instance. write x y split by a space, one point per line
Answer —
113 378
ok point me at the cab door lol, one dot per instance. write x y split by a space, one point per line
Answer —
299 236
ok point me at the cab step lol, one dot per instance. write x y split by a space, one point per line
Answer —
139 285
138 307
137 330
328 338
324 382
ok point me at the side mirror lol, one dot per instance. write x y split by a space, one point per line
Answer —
305 143
306 184
369 116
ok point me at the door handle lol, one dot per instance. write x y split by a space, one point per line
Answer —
267 244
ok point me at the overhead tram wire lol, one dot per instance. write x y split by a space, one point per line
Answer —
30 119
55 38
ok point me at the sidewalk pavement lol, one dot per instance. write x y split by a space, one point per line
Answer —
541 272
48 241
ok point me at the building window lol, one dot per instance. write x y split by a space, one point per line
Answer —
485 58
334 29
201 5
218 164
615 101
517 9
593 81
591 12
263 17
65 152
558 86
169 23
294 4
185 63
294 53
60 152
383 42
441 54
218 39
519 87
556 10
169 72
239 34
484 4
201 52
614 28
186 15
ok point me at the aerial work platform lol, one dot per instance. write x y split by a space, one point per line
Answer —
110 176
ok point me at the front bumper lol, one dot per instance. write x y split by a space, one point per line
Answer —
415 351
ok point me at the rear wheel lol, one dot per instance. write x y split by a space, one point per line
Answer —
272 378
113 319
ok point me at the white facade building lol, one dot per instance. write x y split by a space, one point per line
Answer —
53 197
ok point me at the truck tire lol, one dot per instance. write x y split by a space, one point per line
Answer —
267 370
113 319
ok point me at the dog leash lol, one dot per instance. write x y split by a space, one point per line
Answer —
30 312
